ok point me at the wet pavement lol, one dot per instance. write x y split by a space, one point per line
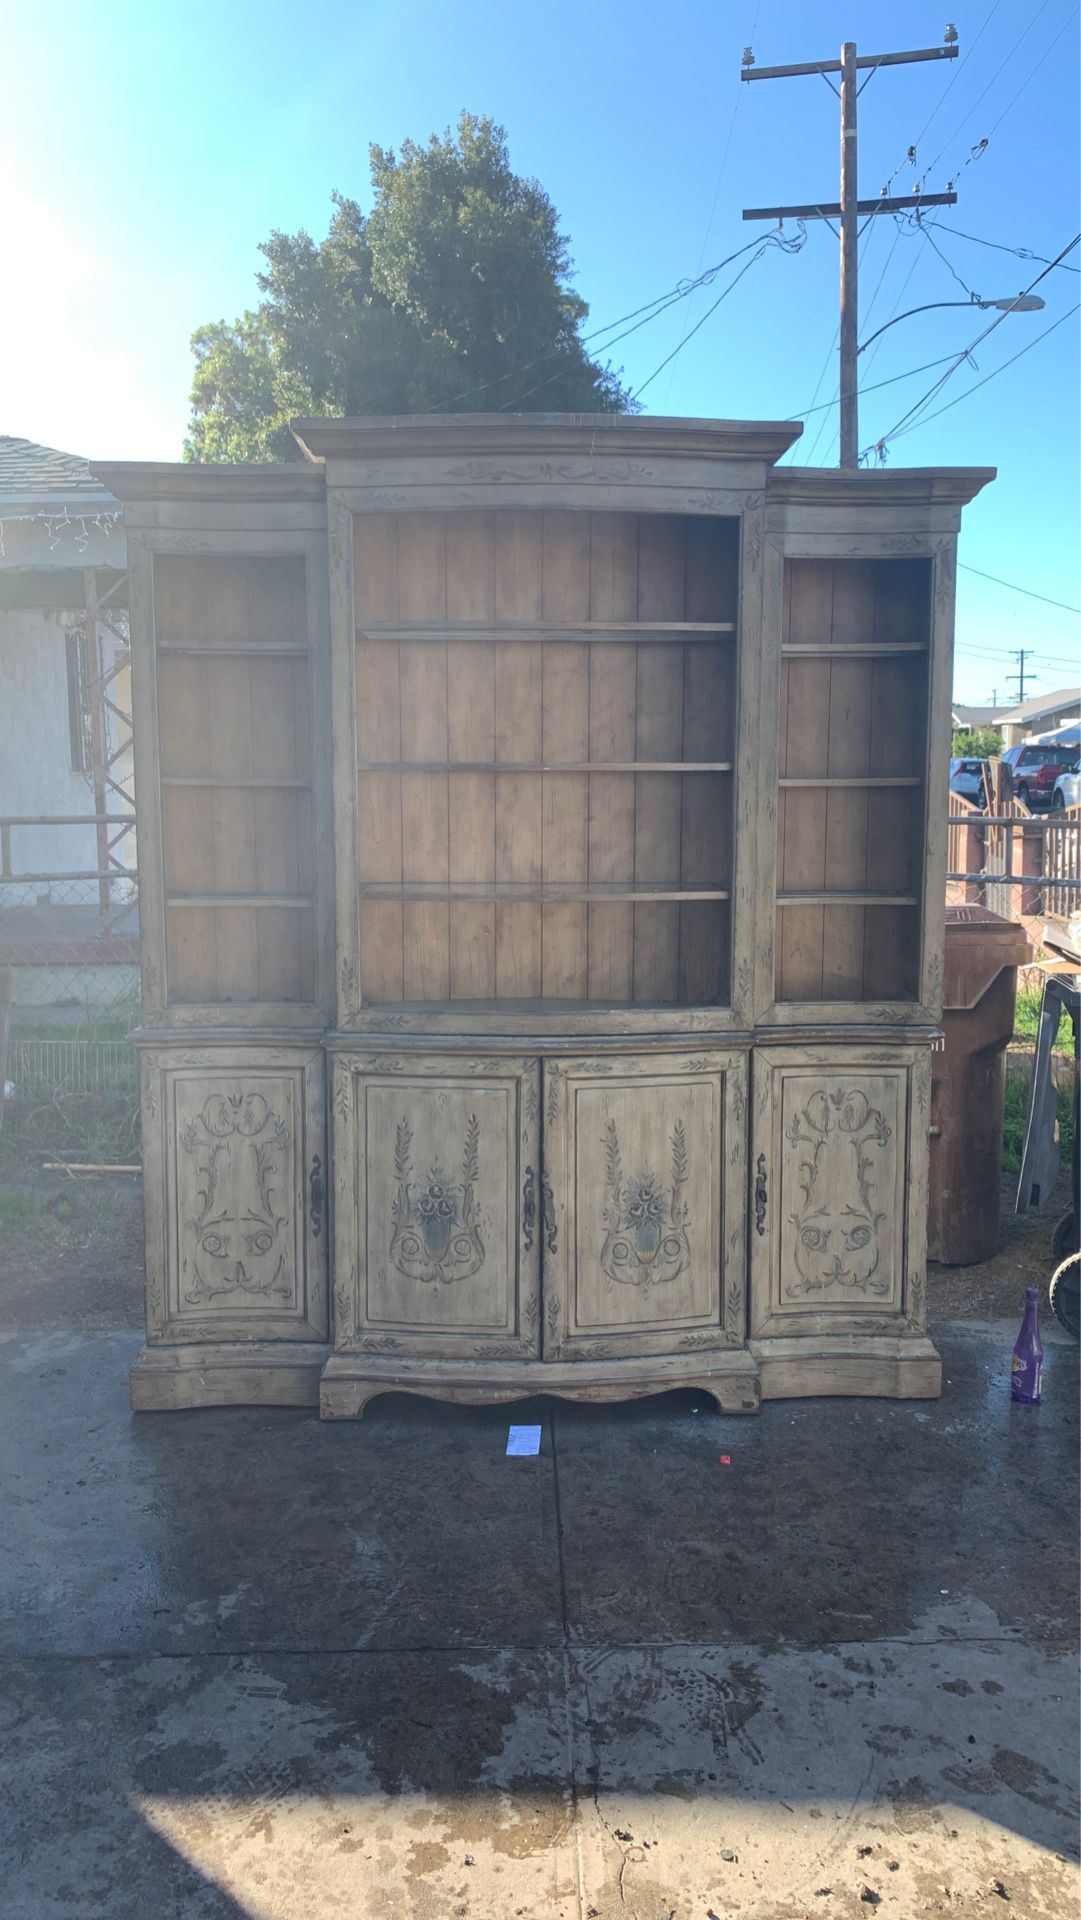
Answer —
257 1665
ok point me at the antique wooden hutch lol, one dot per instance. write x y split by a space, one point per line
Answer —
542 853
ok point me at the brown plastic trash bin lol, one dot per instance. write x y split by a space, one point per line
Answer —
968 1083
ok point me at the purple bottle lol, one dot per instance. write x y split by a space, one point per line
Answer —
1026 1367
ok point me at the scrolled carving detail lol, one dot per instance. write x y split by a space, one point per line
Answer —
646 1225
239 1146
837 1228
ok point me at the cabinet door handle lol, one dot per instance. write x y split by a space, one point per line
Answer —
548 1207
316 1196
529 1208
760 1195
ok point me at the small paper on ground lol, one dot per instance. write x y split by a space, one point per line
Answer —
523 1440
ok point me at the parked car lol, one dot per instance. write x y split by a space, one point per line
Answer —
968 778
1034 770
1067 792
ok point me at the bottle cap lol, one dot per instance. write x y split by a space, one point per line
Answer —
1032 1293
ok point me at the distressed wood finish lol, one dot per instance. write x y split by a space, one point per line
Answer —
590 775
839 1150
645 1164
438 1205
235 1165
544 798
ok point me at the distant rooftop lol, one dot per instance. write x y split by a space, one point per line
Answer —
31 475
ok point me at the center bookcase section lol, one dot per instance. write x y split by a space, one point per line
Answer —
852 764
546 727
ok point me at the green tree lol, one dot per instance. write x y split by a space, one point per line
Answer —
977 744
454 292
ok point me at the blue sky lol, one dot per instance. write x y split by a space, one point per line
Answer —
146 149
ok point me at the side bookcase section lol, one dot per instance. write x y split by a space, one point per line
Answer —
839 1151
234 1146
645 1174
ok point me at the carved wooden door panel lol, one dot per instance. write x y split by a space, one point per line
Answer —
645 1177
235 1152
438 1205
838 1189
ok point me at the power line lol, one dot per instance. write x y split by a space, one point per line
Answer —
688 337
898 433
650 310
1014 588
717 188
907 420
792 244
1023 35
1020 253
1035 70
802 413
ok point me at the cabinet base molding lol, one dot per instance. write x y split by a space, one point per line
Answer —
229 1374
851 1365
349 1381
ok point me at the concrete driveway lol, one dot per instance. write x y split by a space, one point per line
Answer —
259 1666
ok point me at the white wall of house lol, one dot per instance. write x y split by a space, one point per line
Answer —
36 775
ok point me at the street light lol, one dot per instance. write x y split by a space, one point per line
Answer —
1015 303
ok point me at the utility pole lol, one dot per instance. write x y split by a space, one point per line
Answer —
850 207
1021 655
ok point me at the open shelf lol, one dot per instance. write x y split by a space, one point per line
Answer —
630 632
299 900
846 650
240 781
542 892
544 766
238 651
835 897
855 781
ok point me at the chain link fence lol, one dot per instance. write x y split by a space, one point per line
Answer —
69 996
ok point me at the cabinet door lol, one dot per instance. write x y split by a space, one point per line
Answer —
644 1204
437 1196
839 1195
235 1152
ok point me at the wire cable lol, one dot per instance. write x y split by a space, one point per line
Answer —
909 420
688 337
651 309
1014 588
717 187
1020 253
995 371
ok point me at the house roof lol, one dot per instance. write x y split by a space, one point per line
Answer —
1055 702
44 477
976 716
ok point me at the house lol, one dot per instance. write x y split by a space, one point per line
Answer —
65 750
1045 715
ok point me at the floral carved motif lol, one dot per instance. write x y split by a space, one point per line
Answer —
436 1236
645 1224
837 1228
239 1148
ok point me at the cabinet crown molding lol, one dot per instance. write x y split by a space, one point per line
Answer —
378 436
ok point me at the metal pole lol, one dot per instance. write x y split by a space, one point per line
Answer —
98 748
849 249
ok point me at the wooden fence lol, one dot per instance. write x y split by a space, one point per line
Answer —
1020 864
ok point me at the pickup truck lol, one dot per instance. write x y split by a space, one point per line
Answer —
1034 770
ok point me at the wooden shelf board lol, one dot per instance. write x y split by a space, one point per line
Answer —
543 766
238 900
233 652
856 780
540 892
868 649
227 780
860 898
628 632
